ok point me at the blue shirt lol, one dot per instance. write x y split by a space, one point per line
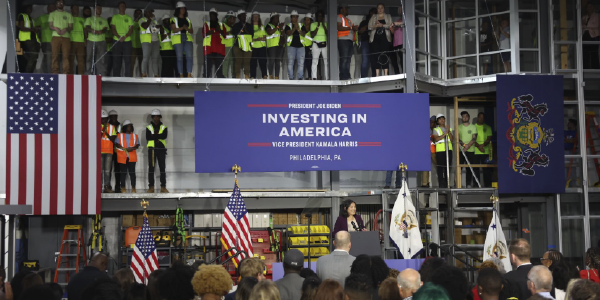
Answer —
570 134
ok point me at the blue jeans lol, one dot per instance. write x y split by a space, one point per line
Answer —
188 48
295 54
388 178
345 50
364 67
308 61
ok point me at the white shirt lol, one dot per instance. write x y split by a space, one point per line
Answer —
546 295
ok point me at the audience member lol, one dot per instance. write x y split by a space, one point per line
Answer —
467 136
61 23
409 282
95 270
153 279
389 290
305 273
393 273
361 265
507 289
175 283
156 135
358 286
214 33
113 119
494 263
56 290
290 286
346 36
181 38
489 284
150 40
336 265
275 41
244 288
539 281
96 28
330 290
453 280
265 290
590 25
167 52
124 277
30 280
259 47
87 12
126 146
520 259
295 46
28 39
379 270
430 291
211 282
308 41
429 267
561 274
39 292
380 38
483 148
17 284
121 26
77 37
580 289
309 286
318 32
136 291
102 289
592 262
242 50
249 267
228 22
442 136
45 35
398 37
136 44
364 34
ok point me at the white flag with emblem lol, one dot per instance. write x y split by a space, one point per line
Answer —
495 243
404 228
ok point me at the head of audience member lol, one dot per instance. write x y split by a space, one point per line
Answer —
393 273
56 290
494 263
230 20
330 290
361 265
244 288
409 282
153 292
39 292
122 7
358 286
181 12
520 252
380 9
124 277
572 124
429 267
489 283
293 262
307 21
166 20
465 116
87 12
430 291
17 283
432 122
98 10
592 258
75 10
294 17
137 14
372 11
213 16
590 8
51 7
310 286
253 267
320 16
256 19
504 23
305 273
30 280
103 289
348 208
581 289
265 290
388 290
60 5
100 261
212 282
136 291
343 9
561 274
480 118
379 270
453 280
27 9
242 17
149 13
550 257
342 241
176 282
274 19
485 26
441 121
539 279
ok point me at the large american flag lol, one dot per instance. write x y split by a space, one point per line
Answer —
52 143
236 228
144 260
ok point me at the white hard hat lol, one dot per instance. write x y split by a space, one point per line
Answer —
156 112
274 14
180 4
213 10
166 17
113 113
440 116
240 12
308 15
230 13
104 113
126 122
255 13
294 13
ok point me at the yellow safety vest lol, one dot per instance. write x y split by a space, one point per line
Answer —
166 43
308 40
259 33
145 34
440 146
244 42
160 131
273 39
26 35
291 37
176 37
206 42
228 41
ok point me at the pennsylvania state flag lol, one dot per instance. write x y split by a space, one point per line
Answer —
404 228
495 243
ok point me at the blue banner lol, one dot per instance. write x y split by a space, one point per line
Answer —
530 134
274 132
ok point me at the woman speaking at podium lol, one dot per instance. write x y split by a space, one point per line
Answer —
348 219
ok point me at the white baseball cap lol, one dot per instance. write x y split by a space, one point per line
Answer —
180 4
156 112
113 113
213 10
104 114
294 13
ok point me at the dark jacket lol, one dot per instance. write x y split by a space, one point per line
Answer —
518 279
83 280
156 136
237 27
341 224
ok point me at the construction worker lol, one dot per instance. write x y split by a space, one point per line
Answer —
156 135
467 133
346 36
228 43
425 174
259 47
150 39
28 39
126 145
274 45
136 43
108 134
113 117
318 32
442 136
308 41
61 22
167 52
121 26
45 34
242 50
214 33
295 46
96 27
77 42
181 38
483 149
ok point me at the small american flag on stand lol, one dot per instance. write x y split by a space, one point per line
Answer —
236 228
144 260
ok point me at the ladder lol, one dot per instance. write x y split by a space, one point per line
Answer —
592 137
65 246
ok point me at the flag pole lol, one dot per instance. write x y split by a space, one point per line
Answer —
144 204
494 199
236 169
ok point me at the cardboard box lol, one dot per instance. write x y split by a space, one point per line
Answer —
217 220
139 220
486 216
467 221
203 220
256 220
165 220
266 220
458 236
128 220
292 219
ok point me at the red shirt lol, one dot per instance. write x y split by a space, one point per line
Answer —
593 275
215 41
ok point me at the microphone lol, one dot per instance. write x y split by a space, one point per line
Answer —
354 226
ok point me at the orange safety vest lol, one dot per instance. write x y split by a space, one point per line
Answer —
122 153
106 145
346 23
432 144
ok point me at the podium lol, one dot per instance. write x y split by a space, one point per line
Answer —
365 242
